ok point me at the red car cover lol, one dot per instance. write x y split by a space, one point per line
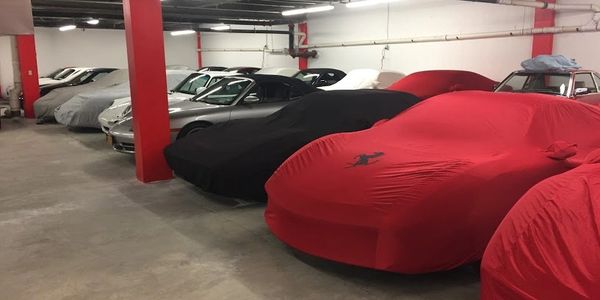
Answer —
427 84
548 246
425 190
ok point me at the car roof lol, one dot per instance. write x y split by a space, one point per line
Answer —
322 70
554 72
294 82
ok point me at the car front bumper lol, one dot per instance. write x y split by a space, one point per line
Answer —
122 142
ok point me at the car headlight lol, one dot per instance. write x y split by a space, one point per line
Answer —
127 111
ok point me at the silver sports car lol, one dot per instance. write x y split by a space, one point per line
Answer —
236 97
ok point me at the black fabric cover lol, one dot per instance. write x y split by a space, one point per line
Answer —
236 158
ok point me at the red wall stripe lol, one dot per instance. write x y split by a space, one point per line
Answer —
543 43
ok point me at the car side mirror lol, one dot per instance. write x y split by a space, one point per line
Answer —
200 90
251 99
581 91
561 150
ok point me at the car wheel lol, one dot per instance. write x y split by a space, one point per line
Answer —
192 128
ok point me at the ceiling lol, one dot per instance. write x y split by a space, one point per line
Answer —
177 14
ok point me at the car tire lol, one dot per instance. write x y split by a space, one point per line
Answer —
192 128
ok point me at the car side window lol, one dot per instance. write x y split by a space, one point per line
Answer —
585 80
271 92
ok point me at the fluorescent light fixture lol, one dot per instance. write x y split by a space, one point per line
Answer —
67 27
221 27
182 32
93 21
307 10
363 3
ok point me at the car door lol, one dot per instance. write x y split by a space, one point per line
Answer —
272 96
585 88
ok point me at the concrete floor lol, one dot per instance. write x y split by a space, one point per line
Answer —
75 224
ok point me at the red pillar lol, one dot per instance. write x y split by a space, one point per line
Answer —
199 52
146 58
303 62
543 43
29 72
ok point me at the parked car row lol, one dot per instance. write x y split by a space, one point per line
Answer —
410 174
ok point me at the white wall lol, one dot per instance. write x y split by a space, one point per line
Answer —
494 58
6 70
99 47
212 40
584 47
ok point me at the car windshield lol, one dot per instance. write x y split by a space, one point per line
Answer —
64 74
308 77
555 84
192 83
224 92
56 72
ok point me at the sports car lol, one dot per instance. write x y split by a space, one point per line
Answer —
548 246
424 191
580 85
45 106
427 84
319 77
83 110
188 88
236 158
232 98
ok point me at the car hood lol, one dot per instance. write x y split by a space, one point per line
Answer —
186 106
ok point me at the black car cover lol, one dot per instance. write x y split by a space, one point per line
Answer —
236 158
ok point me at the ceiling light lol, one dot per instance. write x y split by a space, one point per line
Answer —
182 32
67 27
93 21
307 10
221 27
363 3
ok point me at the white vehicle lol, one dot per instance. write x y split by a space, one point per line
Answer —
64 76
365 79
188 88
288 72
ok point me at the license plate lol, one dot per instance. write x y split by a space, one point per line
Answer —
109 139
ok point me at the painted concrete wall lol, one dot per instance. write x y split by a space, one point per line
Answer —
212 40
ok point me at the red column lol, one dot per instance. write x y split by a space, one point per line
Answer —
543 43
303 62
199 52
29 72
146 58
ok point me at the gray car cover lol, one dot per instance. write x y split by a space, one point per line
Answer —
83 109
45 106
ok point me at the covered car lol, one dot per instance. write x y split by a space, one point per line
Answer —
424 191
548 246
427 84
45 106
186 89
236 158
319 77
365 79
232 98
83 109
86 76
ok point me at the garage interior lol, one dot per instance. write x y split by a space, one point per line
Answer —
79 220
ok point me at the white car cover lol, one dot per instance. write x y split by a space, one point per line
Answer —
365 79
288 72
45 106
83 110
